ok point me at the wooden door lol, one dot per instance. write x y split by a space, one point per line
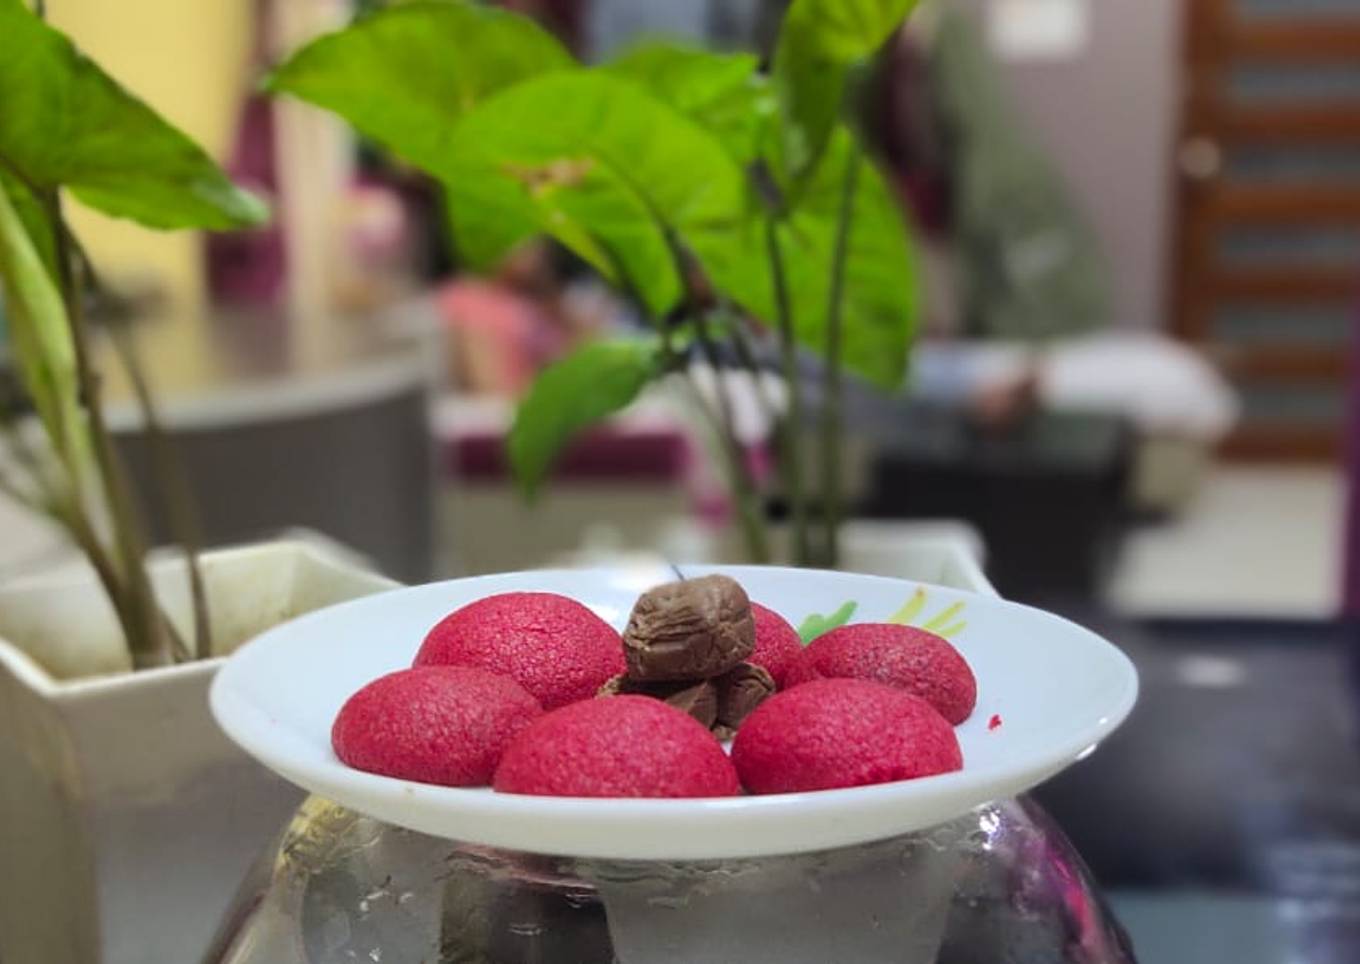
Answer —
1267 273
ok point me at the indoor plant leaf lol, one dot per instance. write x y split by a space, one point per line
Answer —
880 283
404 75
820 43
42 338
35 220
879 293
487 216
722 92
601 159
67 123
595 381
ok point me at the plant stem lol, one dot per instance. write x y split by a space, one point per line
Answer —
791 449
832 415
175 489
170 474
743 492
133 602
145 628
82 531
749 507
720 387
59 500
741 344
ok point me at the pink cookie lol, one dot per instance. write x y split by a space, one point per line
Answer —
909 658
553 646
777 643
433 724
841 733
618 746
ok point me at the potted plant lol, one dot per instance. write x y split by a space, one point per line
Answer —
126 817
737 206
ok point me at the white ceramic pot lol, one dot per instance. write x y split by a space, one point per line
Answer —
127 818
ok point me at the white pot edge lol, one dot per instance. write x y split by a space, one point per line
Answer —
31 674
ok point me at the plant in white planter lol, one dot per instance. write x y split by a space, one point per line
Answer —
126 817
69 127
714 192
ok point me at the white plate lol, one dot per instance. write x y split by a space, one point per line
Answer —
1057 689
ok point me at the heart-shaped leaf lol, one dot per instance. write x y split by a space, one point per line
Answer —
724 93
66 123
611 171
575 393
405 75
820 43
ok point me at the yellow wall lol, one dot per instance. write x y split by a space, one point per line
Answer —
189 60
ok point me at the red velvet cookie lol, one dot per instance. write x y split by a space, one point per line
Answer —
841 733
433 724
618 746
909 658
777 643
554 647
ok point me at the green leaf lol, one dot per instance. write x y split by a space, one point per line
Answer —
722 92
405 75
34 218
488 216
611 171
576 392
41 336
816 624
880 295
820 43
67 123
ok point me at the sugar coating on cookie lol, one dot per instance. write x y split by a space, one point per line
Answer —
446 725
554 647
777 643
835 733
907 657
619 746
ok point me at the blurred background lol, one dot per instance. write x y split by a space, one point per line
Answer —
1137 228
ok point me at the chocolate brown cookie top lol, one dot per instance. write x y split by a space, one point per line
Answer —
688 630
